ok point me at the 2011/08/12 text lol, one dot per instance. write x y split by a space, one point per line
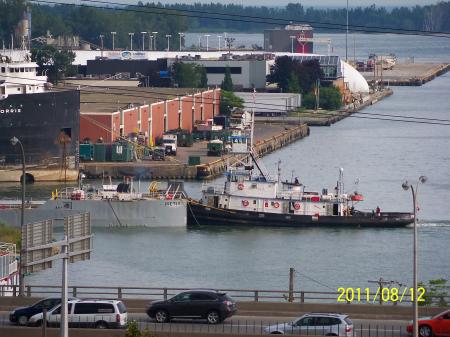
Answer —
348 295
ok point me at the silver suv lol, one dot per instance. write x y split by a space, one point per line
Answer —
318 324
102 314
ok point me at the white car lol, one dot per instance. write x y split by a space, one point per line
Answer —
317 324
102 314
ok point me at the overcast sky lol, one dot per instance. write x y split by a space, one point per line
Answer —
306 3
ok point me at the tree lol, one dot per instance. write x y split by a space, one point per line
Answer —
227 83
203 78
56 64
229 101
189 75
281 72
292 84
330 98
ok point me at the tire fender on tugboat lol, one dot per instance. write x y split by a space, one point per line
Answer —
245 203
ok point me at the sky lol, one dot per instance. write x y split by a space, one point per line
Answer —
305 3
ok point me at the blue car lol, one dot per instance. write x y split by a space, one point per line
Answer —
21 315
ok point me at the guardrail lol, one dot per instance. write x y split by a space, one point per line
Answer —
252 295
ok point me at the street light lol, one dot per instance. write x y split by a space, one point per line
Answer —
181 36
292 37
113 38
406 186
131 40
219 36
143 40
207 39
154 41
150 42
14 141
168 41
101 36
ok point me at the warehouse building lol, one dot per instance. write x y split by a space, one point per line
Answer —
111 113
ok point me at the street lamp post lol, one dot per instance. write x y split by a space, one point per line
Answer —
168 41
14 141
292 37
155 46
150 42
181 36
219 36
143 40
406 186
113 38
207 41
131 40
101 36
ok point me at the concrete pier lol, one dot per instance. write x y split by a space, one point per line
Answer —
268 139
408 74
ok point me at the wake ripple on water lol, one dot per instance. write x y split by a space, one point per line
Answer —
432 223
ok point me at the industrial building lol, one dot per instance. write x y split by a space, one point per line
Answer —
270 104
291 38
247 72
152 111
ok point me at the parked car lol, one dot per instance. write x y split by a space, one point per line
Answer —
318 324
438 325
204 304
101 314
22 315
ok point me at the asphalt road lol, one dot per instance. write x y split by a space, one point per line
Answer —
255 325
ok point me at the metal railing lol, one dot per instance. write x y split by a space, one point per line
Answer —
230 326
250 295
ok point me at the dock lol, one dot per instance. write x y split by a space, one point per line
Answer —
268 138
408 74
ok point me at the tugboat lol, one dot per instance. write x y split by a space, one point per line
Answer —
249 197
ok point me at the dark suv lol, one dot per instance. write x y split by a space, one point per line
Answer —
207 304
23 314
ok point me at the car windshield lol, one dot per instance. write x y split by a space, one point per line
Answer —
122 308
441 314
169 141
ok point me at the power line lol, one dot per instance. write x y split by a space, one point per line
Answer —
289 20
329 26
383 117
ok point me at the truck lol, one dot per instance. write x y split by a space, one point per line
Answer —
169 142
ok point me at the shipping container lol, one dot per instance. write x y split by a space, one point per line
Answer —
122 151
86 152
194 160
102 152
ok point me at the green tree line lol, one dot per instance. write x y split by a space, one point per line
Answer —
90 22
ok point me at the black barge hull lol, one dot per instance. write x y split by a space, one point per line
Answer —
203 215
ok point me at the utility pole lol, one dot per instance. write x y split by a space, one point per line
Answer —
346 38
219 36
381 285
181 39
291 284
64 329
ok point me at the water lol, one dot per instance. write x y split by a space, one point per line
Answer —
421 48
381 154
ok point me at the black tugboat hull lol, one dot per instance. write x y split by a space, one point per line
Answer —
203 215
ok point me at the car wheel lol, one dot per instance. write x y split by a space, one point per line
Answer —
276 333
101 325
39 323
22 320
425 331
161 316
213 317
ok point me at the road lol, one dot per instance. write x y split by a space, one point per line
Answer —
255 325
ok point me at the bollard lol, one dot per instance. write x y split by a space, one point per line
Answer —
256 295
119 293
29 291
74 291
165 294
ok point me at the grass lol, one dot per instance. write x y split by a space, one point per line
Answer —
10 234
